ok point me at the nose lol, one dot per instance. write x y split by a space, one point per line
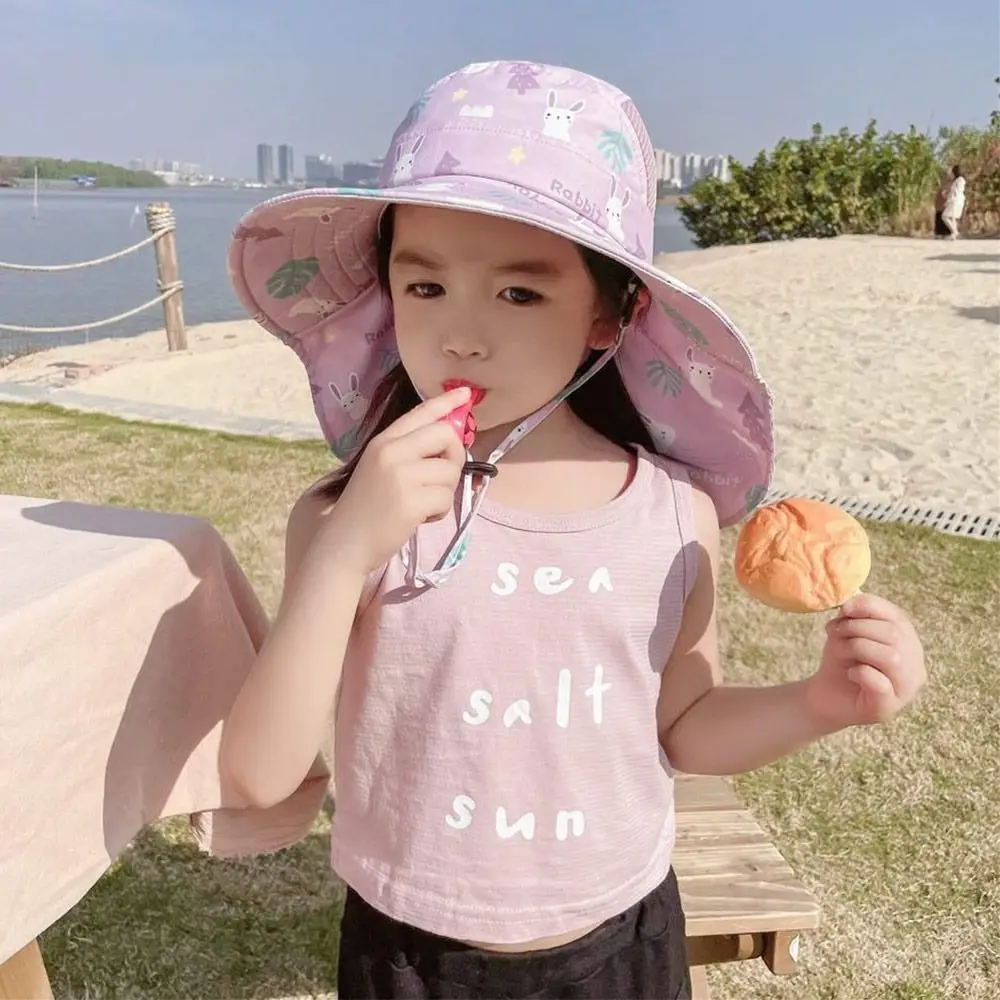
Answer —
462 343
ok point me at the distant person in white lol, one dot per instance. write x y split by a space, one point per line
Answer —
954 205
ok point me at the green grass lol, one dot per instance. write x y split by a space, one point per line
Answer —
167 921
896 829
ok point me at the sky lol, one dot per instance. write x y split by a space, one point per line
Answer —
203 81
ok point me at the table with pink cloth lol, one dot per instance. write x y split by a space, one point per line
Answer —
125 636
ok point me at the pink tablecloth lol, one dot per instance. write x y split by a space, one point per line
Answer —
124 638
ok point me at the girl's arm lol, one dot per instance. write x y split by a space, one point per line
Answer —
406 475
705 725
280 717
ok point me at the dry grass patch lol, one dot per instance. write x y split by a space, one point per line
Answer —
895 829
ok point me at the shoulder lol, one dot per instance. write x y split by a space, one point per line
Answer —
697 520
704 518
310 508
308 514
306 519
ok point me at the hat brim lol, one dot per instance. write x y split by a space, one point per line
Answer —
303 265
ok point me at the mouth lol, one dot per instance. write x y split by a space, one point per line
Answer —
478 392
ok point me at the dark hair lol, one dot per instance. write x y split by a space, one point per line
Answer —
601 402
956 170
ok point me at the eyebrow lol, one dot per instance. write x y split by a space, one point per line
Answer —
538 268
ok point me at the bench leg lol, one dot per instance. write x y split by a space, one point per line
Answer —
781 952
699 983
23 976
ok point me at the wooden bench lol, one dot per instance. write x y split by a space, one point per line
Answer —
741 898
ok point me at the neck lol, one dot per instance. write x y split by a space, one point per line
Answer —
562 434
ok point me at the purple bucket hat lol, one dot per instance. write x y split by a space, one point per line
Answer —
544 145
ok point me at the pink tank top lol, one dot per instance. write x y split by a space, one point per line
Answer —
497 766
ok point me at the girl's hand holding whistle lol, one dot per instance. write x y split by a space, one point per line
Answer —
407 475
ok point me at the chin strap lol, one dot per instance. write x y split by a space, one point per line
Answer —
473 494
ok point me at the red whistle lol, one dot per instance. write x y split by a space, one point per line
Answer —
461 417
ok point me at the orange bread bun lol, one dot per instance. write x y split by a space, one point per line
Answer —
802 555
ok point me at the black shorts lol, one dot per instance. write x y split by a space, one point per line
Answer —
641 953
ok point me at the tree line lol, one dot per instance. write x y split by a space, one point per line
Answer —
844 182
22 169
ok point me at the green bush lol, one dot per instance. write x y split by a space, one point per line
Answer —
843 182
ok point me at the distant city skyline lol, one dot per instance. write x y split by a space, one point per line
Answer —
674 170
678 170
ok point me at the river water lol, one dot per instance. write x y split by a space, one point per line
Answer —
75 225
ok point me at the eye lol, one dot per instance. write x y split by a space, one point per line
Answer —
424 289
520 296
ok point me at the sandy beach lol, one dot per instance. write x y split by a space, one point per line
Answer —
883 356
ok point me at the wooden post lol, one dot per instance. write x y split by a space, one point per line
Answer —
160 219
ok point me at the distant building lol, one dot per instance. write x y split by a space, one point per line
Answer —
362 174
719 165
321 171
265 163
286 164
171 171
681 171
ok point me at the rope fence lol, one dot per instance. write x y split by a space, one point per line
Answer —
161 223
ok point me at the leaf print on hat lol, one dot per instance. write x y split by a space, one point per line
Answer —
664 377
258 233
523 77
346 443
388 359
615 149
685 324
292 277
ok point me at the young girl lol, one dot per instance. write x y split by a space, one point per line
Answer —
517 643
954 202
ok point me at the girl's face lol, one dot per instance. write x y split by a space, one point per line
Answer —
502 305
